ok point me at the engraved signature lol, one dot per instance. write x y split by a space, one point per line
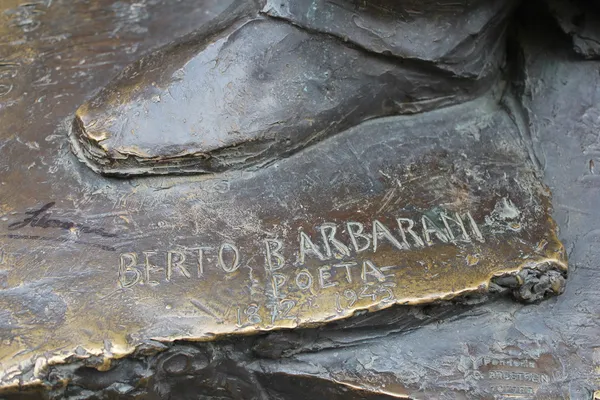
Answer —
41 219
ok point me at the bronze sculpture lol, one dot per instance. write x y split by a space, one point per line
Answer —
266 79
386 213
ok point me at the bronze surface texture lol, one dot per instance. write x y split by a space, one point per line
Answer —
402 232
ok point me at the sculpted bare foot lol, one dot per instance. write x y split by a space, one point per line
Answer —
252 88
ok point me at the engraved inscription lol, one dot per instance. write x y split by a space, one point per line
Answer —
340 260
324 245
510 376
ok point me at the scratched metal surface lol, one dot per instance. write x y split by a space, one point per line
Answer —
490 350
230 102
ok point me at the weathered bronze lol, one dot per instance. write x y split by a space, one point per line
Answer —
267 79
423 219
352 253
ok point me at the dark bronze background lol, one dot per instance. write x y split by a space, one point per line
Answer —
55 54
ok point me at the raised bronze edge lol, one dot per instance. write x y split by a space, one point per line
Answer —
40 365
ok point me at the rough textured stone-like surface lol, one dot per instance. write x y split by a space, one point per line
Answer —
580 20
